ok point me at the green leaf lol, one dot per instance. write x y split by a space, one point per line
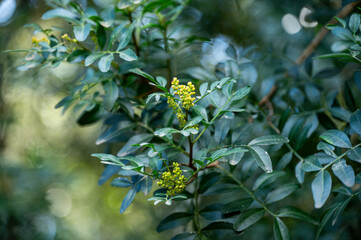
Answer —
101 36
218 154
327 148
299 172
239 204
203 88
128 200
262 158
193 122
269 140
344 172
143 74
105 62
219 230
125 37
311 164
280 230
281 192
122 182
241 93
201 74
212 212
165 131
354 22
201 111
162 81
128 148
342 33
341 56
297 213
325 220
116 34
82 31
336 138
111 94
285 160
60 12
128 55
107 157
355 121
342 21
207 181
321 188
340 207
89 60
248 217
188 131
174 220
355 154
267 178
184 236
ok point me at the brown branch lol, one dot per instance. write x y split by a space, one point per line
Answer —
266 98
323 32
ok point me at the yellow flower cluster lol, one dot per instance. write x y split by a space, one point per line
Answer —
37 40
174 181
185 93
179 113
66 37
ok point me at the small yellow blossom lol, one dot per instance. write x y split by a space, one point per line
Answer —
174 181
36 40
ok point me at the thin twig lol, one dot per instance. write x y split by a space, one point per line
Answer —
323 32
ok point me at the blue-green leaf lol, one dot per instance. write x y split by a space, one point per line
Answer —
281 192
248 217
294 212
285 160
203 88
280 230
92 58
128 55
174 220
269 140
111 94
354 22
262 158
162 81
105 62
60 12
299 172
321 188
193 122
267 178
355 154
165 131
327 148
128 148
201 111
241 93
344 172
82 31
311 164
336 138
121 182
355 121
342 33
128 200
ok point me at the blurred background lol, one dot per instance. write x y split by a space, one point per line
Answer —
48 181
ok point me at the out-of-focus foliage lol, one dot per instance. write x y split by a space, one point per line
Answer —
209 108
